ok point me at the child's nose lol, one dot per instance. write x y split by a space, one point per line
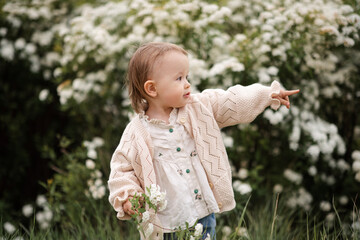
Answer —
187 84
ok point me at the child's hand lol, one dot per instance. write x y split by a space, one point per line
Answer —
283 96
127 206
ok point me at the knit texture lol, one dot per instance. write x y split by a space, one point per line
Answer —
132 166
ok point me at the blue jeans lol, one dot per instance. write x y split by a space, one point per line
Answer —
209 224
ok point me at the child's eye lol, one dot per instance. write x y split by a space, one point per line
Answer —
188 78
179 78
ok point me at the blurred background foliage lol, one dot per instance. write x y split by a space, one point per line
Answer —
64 104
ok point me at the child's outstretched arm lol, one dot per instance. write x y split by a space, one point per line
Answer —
242 104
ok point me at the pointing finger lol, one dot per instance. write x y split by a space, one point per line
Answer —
291 92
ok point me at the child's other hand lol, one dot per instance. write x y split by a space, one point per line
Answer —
283 96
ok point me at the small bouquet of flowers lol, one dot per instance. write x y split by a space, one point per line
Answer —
155 200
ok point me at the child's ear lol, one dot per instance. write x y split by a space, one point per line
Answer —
150 88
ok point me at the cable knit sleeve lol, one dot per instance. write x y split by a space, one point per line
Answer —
240 104
123 182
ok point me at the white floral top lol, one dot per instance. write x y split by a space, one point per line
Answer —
179 172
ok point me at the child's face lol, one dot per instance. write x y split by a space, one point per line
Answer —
170 76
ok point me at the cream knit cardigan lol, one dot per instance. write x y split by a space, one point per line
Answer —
132 167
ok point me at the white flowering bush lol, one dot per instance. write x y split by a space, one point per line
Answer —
310 153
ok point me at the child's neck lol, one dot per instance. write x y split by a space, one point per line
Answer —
159 113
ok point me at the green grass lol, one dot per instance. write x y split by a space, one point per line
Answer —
270 221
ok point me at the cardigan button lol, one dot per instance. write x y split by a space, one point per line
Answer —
219 204
211 185
182 120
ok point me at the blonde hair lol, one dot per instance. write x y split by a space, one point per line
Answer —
141 66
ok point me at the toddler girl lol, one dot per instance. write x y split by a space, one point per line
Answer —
175 140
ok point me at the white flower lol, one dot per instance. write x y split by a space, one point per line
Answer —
357 176
98 182
264 48
273 70
356 166
90 164
145 216
293 176
342 165
101 191
330 217
9 228
40 217
3 31
48 215
273 117
325 206
242 232
343 200
228 141
98 142
349 42
43 94
149 230
97 192
226 230
263 77
302 198
30 48
354 18
7 50
356 155
208 237
98 174
329 29
92 153
157 197
20 43
229 63
242 188
41 200
278 188
356 226
27 210
243 173
313 151
312 171
330 180
198 230
44 225
162 206
291 202
240 37
57 72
